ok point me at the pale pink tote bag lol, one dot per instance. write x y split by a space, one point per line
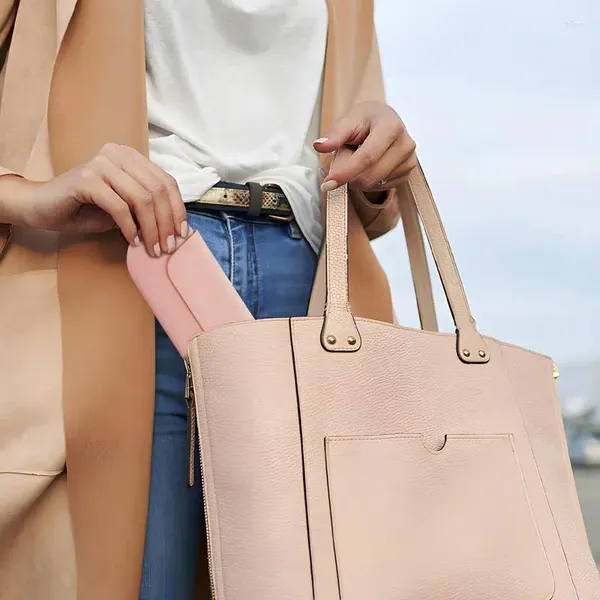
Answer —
348 459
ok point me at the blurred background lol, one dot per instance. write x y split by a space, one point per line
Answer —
503 100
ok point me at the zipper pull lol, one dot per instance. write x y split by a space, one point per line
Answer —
191 418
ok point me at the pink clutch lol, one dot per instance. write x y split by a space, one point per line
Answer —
187 290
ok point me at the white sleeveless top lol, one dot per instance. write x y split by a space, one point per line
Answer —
234 89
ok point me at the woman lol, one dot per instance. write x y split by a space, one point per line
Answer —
236 92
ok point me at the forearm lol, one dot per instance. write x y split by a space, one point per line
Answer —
12 188
378 213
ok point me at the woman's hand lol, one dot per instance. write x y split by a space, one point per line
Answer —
119 186
384 152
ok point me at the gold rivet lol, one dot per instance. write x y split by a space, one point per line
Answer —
482 353
331 340
351 340
466 353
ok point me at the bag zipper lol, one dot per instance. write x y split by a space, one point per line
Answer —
191 419
190 399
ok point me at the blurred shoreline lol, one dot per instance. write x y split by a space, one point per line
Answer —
588 487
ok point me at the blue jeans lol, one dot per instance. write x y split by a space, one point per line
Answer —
272 267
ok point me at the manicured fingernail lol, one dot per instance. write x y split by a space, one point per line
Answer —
330 185
157 251
171 243
321 141
136 240
185 229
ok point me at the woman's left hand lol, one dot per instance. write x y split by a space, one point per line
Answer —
384 153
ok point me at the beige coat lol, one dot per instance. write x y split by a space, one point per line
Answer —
76 340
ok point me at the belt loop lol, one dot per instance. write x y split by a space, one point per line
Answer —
256 190
294 229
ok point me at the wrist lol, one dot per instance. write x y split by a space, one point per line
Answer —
14 207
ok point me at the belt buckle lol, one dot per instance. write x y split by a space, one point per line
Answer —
284 219
272 187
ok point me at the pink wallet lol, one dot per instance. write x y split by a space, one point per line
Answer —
187 290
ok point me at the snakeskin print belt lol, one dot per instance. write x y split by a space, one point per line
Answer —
253 199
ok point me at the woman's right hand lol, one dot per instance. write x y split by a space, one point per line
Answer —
118 187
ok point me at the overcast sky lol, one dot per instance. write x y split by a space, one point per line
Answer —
503 99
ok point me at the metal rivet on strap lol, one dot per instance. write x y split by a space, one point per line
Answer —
331 340
352 340
466 353
482 353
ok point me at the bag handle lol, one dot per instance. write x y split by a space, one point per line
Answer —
418 266
340 333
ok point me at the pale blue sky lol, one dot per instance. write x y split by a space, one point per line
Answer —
503 100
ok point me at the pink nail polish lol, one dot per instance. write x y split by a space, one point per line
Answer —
171 243
330 185
136 240
185 229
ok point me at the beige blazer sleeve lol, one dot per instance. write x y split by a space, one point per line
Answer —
8 11
376 218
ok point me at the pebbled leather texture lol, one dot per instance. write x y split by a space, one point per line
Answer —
432 541
418 259
469 339
419 267
339 333
337 254
404 470
283 508
251 455
470 346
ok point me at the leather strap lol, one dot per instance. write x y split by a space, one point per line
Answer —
418 265
339 333
237 197
339 323
255 198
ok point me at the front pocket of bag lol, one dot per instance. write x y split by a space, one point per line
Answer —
410 523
